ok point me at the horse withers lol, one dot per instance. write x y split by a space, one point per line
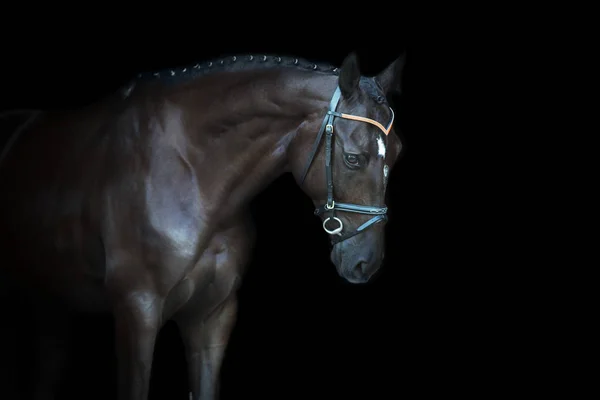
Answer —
138 204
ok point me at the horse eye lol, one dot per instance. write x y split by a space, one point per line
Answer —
352 159
380 99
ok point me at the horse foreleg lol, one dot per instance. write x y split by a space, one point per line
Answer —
205 343
137 321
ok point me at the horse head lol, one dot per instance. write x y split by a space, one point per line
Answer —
346 177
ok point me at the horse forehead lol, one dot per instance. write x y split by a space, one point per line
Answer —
360 134
365 135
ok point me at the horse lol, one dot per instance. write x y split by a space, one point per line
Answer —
137 204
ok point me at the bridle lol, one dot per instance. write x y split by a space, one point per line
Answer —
379 213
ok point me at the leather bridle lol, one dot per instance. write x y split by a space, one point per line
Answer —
329 209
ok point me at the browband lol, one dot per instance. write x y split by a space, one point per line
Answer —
385 130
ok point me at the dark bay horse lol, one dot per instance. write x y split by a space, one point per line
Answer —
138 204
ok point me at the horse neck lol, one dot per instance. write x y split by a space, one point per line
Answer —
249 125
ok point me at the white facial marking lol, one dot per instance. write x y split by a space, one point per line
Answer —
380 147
385 173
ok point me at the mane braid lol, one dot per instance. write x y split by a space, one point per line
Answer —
233 63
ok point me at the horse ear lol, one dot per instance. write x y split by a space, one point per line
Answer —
389 79
349 75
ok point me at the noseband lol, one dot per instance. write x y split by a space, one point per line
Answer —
380 213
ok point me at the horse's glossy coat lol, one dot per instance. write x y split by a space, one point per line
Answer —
137 205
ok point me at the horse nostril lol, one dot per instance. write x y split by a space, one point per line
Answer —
361 267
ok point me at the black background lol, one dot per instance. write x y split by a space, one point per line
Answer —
422 326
